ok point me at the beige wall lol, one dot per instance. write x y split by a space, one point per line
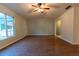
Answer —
20 25
76 25
41 26
70 25
67 22
58 26
67 25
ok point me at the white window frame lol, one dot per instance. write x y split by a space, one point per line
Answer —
14 32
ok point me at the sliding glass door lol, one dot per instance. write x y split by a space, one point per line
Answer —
6 26
10 25
2 25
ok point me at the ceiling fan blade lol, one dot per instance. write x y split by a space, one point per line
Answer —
35 10
34 6
46 8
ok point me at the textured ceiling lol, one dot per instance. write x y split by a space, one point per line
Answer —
25 9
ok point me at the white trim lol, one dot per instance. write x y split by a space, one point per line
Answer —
11 43
65 40
58 36
76 43
40 34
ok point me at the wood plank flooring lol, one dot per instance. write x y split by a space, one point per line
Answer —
40 46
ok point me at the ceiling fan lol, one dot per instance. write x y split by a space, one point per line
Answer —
40 7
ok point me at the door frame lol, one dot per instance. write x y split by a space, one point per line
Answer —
56 28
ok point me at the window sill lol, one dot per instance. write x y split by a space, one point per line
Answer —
5 38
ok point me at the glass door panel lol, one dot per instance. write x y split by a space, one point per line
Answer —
2 26
10 25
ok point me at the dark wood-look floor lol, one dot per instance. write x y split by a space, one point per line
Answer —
40 46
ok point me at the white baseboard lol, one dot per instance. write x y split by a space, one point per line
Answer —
11 43
58 36
41 34
67 41
64 39
75 43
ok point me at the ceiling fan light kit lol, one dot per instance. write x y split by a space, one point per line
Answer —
40 10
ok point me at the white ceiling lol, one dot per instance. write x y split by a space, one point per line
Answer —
25 9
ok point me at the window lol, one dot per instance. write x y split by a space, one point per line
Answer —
6 26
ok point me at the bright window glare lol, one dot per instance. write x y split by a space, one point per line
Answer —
6 26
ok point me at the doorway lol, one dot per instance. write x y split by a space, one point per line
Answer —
58 28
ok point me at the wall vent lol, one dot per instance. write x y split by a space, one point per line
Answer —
68 7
